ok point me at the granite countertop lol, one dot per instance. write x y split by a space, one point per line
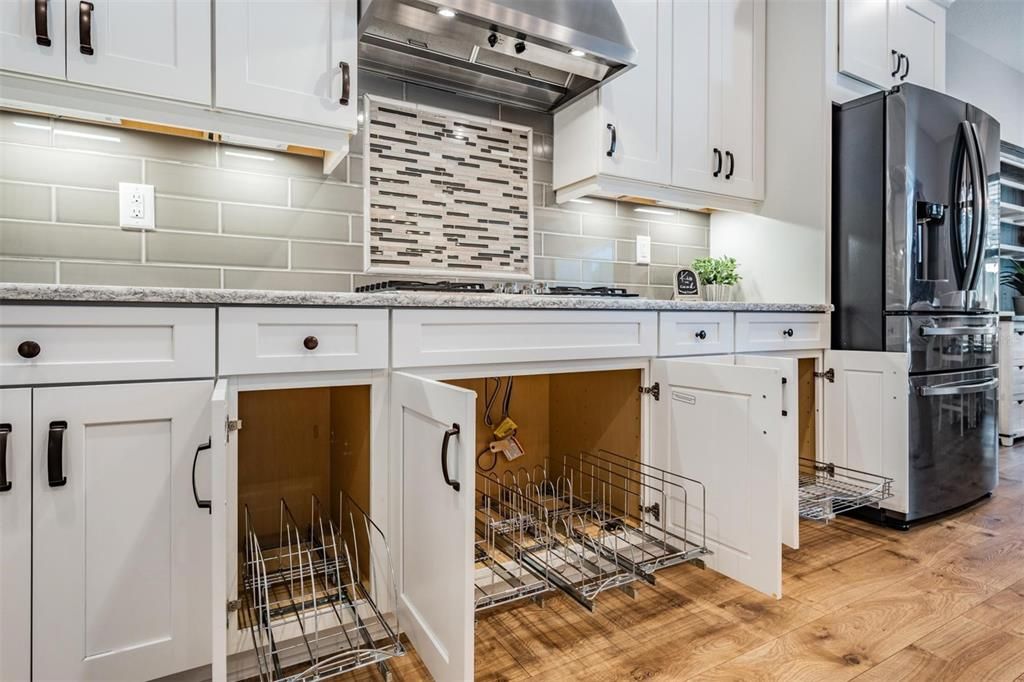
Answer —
73 293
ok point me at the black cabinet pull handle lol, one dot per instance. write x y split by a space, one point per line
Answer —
5 483
701 335
28 349
346 83
899 63
454 431
906 69
732 164
85 26
718 162
310 343
42 27
787 332
55 454
202 504
615 140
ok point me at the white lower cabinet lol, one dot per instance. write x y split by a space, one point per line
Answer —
15 533
120 583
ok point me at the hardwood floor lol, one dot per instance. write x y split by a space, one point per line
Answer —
942 602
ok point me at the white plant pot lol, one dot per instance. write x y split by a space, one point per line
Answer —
718 292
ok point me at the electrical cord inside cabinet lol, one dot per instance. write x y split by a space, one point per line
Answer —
505 432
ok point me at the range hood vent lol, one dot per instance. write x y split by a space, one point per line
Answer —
535 54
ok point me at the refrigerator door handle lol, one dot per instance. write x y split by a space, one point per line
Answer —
977 211
956 241
989 330
958 388
979 214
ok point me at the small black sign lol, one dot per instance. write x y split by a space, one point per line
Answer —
687 284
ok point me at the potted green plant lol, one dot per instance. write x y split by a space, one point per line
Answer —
1013 278
718 277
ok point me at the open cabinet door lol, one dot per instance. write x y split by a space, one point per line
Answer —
789 442
720 424
866 416
433 437
223 448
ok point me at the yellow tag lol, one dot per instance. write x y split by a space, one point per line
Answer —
506 428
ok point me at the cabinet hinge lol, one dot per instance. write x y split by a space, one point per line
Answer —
652 509
231 425
829 375
654 390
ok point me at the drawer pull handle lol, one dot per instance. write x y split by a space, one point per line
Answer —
5 483
28 349
310 342
454 431
55 454
701 335
788 332
202 504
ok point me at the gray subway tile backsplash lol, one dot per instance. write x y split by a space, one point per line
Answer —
241 222
25 202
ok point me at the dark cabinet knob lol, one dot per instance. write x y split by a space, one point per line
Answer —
701 335
787 332
310 342
28 349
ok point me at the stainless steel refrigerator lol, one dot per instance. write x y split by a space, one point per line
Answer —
915 268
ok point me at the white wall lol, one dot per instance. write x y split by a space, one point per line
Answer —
783 251
988 83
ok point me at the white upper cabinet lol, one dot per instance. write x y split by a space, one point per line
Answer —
121 581
637 107
887 42
32 37
686 125
159 48
292 60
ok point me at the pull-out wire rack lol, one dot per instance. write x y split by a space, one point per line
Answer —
595 525
311 602
829 489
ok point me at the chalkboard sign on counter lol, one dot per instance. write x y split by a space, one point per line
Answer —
687 285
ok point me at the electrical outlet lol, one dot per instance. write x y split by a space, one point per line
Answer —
643 250
137 207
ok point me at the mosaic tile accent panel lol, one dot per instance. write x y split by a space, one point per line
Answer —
447 193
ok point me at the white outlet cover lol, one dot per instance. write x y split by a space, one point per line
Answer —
643 250
137 206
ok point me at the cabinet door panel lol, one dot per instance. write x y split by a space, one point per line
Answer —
223 523
160 47
282 59
918 29
120 550
721 424
739 80
693 158
20 50
436 521
864 41
639 103
866 416
16 533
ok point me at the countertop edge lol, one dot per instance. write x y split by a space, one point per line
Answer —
73 293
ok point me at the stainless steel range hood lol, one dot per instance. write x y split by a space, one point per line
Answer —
537 54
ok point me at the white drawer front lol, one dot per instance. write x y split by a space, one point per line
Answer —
1016 410
273 340
781 331
1017 342
99 343
695 333
1015 378
439 338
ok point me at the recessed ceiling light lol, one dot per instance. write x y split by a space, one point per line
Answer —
577 53
445 12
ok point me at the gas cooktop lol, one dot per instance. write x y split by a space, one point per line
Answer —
533 288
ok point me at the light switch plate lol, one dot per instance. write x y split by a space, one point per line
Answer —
136 205
643 250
